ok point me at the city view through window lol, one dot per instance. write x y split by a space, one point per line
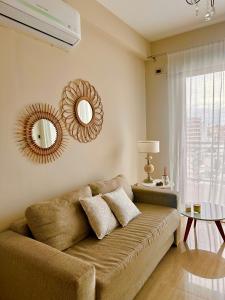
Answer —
205 137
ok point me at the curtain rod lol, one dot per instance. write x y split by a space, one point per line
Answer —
154 56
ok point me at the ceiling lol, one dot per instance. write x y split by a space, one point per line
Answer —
157 19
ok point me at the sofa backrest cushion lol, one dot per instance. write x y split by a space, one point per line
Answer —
107 186
59 222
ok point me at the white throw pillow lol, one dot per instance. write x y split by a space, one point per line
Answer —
121 205
99 215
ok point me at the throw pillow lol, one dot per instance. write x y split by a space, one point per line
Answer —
59 222
121 205
99 215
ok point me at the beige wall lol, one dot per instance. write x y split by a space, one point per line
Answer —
198 37
157 112
33 71
94 13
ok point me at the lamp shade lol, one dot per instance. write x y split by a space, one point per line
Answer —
148 146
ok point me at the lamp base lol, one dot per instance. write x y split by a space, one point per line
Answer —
149 169
148 180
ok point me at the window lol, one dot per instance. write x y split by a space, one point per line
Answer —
205 136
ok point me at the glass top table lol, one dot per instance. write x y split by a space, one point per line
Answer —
208 212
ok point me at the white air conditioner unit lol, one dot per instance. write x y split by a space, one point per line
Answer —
55 20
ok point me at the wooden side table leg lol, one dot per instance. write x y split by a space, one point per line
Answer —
220 228
188 227
195 221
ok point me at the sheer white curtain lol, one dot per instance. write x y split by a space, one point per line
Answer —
196 79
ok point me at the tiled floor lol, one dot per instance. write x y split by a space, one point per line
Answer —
193 271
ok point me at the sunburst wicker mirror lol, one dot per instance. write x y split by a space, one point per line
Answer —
40 133
82 110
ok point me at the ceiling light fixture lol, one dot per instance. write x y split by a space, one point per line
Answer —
210 8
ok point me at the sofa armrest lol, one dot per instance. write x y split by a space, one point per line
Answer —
32 270
147 195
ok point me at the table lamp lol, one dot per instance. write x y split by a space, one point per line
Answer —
148 147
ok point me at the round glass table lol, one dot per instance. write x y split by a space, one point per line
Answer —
208 212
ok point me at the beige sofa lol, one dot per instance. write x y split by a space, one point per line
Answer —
113 268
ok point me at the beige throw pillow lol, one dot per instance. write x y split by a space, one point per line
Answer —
121 205
99 215
59 222
107 186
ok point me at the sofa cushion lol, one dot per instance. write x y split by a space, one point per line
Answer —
107 186
125 257
99 215
20 226
122 206
59 222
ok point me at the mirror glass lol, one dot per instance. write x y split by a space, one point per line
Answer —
84 111
44 133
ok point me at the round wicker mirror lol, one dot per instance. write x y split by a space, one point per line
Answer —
82 110
40 133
